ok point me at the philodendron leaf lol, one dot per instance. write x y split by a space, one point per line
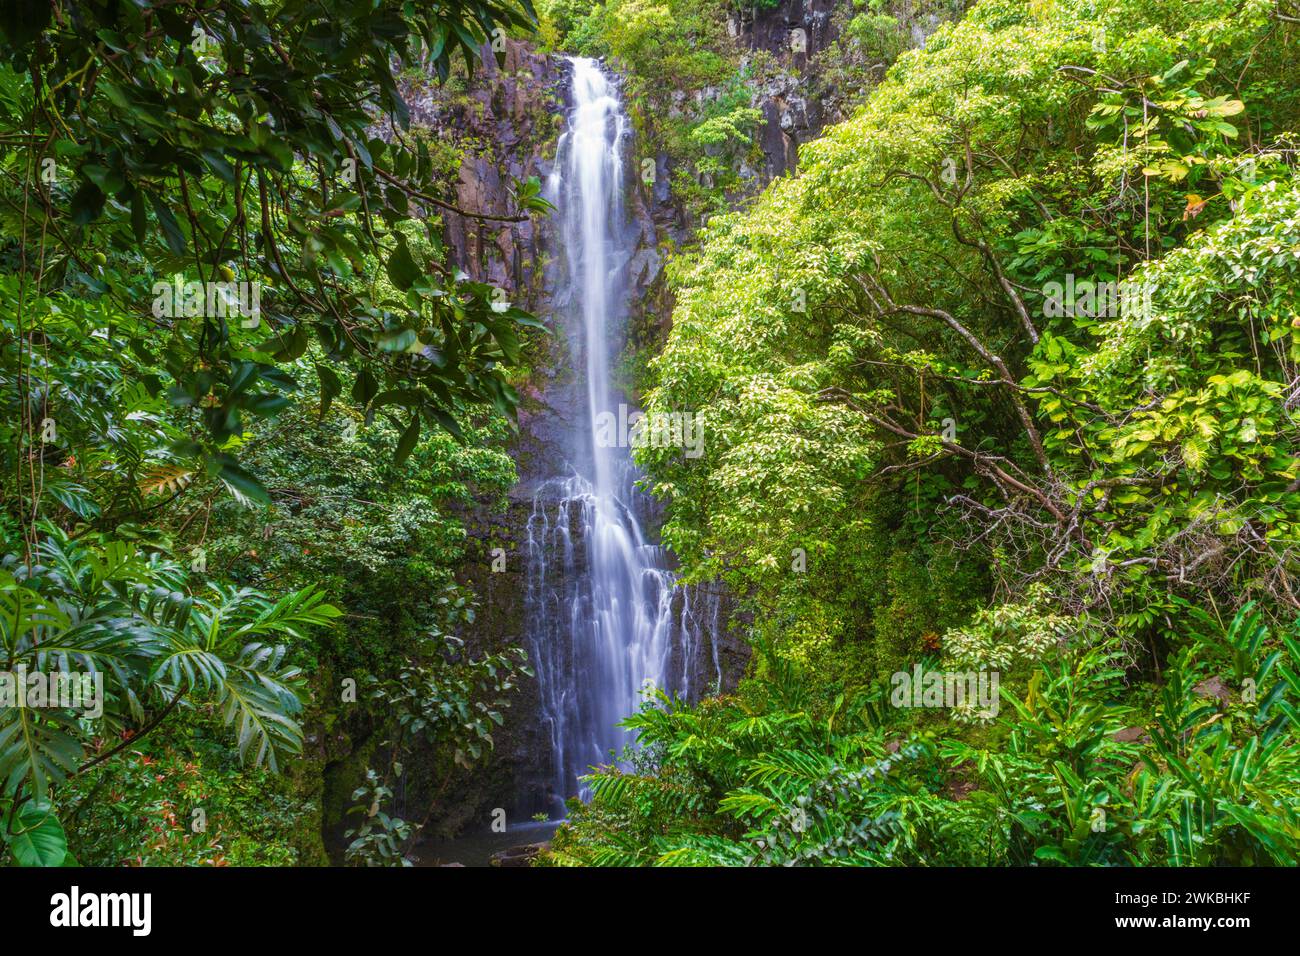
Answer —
38 838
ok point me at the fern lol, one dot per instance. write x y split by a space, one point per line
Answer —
130 619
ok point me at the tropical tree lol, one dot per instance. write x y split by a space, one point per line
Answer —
247 168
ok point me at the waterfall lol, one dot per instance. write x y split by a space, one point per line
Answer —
605 616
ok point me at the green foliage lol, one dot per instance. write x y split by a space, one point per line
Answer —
440 700
129 619
378 838
153 153
271 174
178 797
560 18
344 515
445 700
879 34
759 780
880 329
35 836
1005 635
682 41
722 132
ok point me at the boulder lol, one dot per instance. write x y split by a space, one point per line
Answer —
1213 687
520 855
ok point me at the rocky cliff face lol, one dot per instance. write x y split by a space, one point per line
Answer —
807 92
794 32
501 125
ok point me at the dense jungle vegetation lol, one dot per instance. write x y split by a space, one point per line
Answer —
918 454
230 514
1004 381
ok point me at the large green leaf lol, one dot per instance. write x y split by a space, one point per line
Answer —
38 838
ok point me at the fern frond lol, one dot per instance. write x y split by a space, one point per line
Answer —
166 479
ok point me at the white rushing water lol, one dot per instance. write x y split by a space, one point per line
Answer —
605 617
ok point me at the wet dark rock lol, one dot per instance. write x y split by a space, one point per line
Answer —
1213 687
520 855
512 106
961 789
1130 735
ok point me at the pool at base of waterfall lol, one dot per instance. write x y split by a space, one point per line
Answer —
514 846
